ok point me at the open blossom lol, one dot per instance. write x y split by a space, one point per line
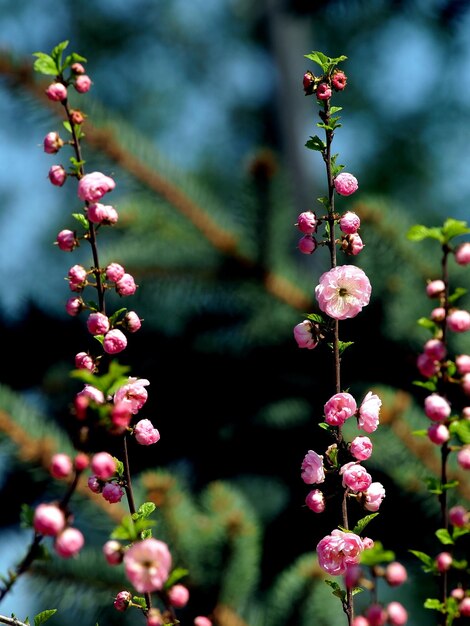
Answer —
147 564
361 448
369 410
145 433
312 468
339 80
338 550
305 335
94 186
338 408
373 496
133 394
102 213
323 91
355 476
345 184
343 291
92 393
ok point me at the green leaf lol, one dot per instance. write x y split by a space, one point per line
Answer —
320 58
99 338
420 433
434 485
461 428
146 509
424 558
376 555
45 65
362 523
176 575
56 54
26 516
425 322
315 143
460 564
114 317
337 591
453 228
342 345
325 426
324 201
335 109
429 384
146 534
42 617
81 219
444 536
433 603
119 467
418 232
314 317
459 531
126 531
458 293
67 125
140 601
70 59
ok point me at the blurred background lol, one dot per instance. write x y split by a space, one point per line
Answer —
197 110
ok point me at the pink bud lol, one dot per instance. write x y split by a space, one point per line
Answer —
69 543
102 213
82 83
465 382
154 618
103 465
323 91
178 596
307 222
77 68
458 593
77 277
443 561
308 82
48 520
57 92
52 143
352 576
427 366
458 516
435 288
352 244
345 184
395 574
98 324
458 321
438 434
114 342
462 253
436 408
66 240
376 615
464 607
94 484
307 244
305 335
132 322
73 306
315 501
114 272
201 620
77 117
463 457
61 466
360 620
462 362
145 433
113 552
112 493
57 175
435 349
397 614
83 361
120 415
126 286
466 413
81 462
122 600
438 314
339 80
349 223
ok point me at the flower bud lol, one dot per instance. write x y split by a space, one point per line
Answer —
114 341
114 272
81 462
459 516
61 466
122 600
132 322
323 91
306 334
339 80
113 552
66 240
48 520
443 561
97 324
57 92
307 222
438 434
126 286
77 68
82 83
345 184
57 175
307 244
69 543
315 501
178 596
112 493
435 349
308 83
349 223
435 288
52 143
145 433
397 614
395 574
463 457
352 244
458 321
436 408
103 465
77 117
83 361
462 253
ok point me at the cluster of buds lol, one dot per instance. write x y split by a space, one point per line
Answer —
322 86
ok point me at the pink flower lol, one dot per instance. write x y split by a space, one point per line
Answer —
376 615
438 314
339 80
132 322
427 366
307 222
112 493
463 457
103 465
147 564
57 175
462 362
361 448
56 92
312 468
352 244
443 561
113 552
69 543
48 520
343 291
97 323
94 484
464 607
81 461
435 349
323 91
355 476
122 600
178 595
120 415
373 497
73 306
114 342
92 393
458 321
397 615
77 276
202 620
435 288
315 501
345 184
360 620
307 244
304 335
436 408
369 411
308 82
438 433
465 382
145 433
52 143
94 186
83 361
126 286
462 253
458 516
349 223
338 408
154 618
82 83
66 240
101 213
458 593
133 394
338 550
395 574
61 465
114 272
77 68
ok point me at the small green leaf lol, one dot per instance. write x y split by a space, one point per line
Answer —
428 384
461 428
460 564
26 516
420 433
146 509
337 591
357 590
459 531
119 466
418 232
315 143
444 536
99 338
67 125
314 317
424 558
126 530
146 534
433 603
45 65
425 322
376 555
324 201
114 317
42 617
325 426
453 228
320 58
70 59
177 574
335 109
56 54
362 523
81 219
343 345
140 601
458 293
